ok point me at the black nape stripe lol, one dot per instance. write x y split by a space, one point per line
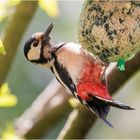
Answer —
42 59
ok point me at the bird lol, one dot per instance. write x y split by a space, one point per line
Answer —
78 71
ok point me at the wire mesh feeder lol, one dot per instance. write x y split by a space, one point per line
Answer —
110 30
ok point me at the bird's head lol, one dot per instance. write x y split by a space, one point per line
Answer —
38 48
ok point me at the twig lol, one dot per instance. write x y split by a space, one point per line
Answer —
116 78
14 32
79 121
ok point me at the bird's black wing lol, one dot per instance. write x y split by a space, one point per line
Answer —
64 77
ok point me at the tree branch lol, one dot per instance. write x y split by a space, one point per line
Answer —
14 32
48 109
117 78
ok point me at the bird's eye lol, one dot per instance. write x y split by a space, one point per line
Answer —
35 44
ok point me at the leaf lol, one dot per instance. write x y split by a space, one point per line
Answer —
73 102
5 8
6 98
9 133
50 7
2 49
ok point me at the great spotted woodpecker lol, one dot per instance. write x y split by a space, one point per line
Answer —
75 69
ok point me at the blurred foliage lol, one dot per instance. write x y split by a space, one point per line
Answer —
2 49
73 102
50 7
9 133
7 99
6 8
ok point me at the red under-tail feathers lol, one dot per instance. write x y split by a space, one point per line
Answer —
94 93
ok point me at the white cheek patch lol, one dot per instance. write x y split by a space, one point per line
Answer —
34 52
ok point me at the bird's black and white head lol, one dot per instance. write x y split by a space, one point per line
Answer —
37 49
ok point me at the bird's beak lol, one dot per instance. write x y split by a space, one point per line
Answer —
46 36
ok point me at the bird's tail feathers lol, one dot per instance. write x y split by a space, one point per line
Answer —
120 105
101 107
114 103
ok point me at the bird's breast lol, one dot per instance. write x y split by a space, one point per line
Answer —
71 58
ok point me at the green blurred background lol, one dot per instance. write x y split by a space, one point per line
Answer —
26 81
